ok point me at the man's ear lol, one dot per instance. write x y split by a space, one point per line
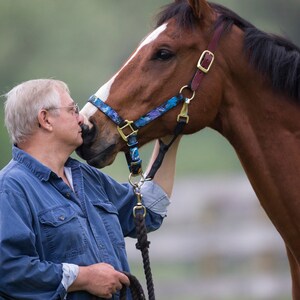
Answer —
201 9
43 119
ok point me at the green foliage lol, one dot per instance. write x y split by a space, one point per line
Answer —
85 42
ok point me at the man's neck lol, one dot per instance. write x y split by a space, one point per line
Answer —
49 155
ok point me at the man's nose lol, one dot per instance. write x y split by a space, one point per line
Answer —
80 119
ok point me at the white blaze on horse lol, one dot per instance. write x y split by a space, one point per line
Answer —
246 86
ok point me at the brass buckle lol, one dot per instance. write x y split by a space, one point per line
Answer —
183 115
141 208
123 135
200 67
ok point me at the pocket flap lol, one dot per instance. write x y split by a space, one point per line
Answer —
105 206
57 216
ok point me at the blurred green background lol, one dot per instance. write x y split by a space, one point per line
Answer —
84 43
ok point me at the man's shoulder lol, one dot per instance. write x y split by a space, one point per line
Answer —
10 171
14 175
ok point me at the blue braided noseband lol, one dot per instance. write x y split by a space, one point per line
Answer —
133 158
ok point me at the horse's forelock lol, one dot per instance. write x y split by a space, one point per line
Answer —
179 10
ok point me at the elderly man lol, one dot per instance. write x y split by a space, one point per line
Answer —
63 222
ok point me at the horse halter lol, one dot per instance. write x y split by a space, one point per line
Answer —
131 127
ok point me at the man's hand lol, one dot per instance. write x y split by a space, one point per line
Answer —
100 279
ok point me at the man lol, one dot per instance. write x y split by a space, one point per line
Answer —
63 222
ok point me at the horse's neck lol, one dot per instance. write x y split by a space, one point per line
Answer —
264 130
263 125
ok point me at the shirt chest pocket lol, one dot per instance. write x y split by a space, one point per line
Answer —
62 233
110 219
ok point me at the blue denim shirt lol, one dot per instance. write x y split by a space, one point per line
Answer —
44 223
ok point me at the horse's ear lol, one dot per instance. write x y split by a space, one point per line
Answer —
200 8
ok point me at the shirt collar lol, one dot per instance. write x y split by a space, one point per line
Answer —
37 168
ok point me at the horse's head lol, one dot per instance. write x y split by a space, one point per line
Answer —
164 62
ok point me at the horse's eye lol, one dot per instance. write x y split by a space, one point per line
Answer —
163 54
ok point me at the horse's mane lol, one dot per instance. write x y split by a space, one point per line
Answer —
272 55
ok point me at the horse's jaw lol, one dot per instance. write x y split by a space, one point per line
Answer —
104 158
100 155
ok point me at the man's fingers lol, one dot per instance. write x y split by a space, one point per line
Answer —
107 296
124 279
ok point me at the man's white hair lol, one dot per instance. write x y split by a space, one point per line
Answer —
24 102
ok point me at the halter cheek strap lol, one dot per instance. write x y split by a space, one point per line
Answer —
207 58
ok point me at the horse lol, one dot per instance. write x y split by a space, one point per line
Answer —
205 66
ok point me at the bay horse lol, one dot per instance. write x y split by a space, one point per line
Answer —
245 85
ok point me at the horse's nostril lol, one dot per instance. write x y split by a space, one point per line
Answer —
88 134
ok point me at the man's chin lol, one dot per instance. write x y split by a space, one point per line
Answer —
80 142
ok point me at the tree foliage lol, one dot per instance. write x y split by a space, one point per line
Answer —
85 42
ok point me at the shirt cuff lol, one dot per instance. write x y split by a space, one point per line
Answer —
155 198
70 273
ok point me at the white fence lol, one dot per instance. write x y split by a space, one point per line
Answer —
216 243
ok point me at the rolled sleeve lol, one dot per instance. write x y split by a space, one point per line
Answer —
155 198
70 273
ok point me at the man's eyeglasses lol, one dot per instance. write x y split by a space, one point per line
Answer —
74 108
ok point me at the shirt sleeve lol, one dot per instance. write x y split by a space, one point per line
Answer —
155 198
24 275
70 273
123 198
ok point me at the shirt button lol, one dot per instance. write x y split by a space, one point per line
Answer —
68 195
61 217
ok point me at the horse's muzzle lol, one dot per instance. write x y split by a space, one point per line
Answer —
88 137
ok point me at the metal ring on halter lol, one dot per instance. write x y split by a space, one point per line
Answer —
187 100
137 183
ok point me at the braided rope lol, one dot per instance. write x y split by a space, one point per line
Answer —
142 244
136 289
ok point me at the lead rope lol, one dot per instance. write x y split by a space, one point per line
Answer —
136 289
139 213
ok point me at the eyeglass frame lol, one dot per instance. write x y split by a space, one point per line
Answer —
74 107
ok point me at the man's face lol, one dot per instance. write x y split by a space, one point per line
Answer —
67 124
